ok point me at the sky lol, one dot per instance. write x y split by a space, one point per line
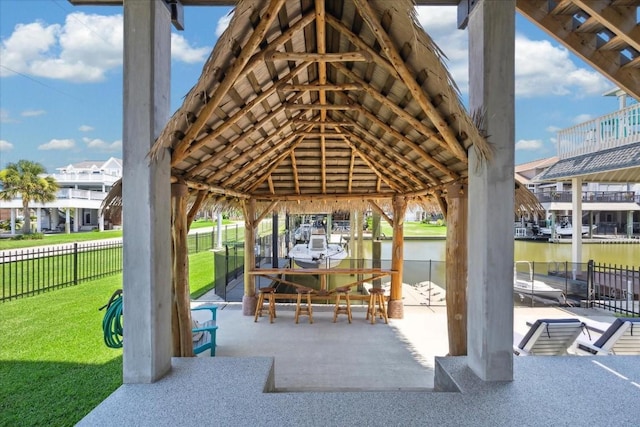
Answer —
61 78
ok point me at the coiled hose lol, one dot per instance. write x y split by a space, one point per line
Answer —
112 321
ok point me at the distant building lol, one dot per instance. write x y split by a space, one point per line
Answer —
83 186
603 156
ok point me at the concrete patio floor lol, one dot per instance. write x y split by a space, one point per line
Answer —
338 374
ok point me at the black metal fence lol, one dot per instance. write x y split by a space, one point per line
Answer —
28 272
32 271
615 288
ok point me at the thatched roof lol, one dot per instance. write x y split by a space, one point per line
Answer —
336 101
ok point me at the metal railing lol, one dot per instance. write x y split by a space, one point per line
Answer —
589 196
33 271
615 288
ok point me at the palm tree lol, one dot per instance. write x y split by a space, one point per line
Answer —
24 178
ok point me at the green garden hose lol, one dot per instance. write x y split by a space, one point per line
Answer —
112 321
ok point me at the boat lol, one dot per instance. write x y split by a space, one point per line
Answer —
533 288
564 229
317 253
302 233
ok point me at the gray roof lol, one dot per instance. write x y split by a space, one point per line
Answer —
619 164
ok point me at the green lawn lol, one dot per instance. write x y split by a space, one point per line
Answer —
416 229
54 365
60 238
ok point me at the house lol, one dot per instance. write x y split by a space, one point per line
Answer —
601 156
83 187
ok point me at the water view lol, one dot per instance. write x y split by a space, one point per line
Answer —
620 254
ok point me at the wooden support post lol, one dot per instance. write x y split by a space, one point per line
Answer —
395 307
180 301
456 269
249 299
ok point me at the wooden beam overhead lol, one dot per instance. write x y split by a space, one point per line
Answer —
318 57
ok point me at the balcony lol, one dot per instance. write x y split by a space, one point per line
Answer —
589 196
610 131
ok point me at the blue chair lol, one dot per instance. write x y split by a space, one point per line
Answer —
204 334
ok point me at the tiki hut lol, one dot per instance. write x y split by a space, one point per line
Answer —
310 106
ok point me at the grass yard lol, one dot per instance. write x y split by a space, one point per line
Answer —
54 365
416 229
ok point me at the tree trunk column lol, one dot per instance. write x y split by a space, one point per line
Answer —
456 269
396 308
249 298
181 300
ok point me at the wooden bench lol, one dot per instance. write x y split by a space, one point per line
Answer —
208 328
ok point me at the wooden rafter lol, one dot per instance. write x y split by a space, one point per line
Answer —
180 154
380 211
318 57
431 134
294 170
232 74
409 80
396 156
374 166
352 164
195 207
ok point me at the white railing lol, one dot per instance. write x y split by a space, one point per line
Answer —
613 130
85 177
70 193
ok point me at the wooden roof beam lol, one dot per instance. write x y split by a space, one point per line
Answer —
234 71
352 164
294 170
409 80
318 87
414 146
373 165
233 144
184 150
411 177
318 196
197 185
620 20
318 57
359 43
261 177
379 210
233 164
374 93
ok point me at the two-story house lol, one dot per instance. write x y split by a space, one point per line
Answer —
83 187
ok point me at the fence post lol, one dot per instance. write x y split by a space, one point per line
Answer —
75 263
590 288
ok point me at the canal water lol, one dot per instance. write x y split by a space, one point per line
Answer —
610 253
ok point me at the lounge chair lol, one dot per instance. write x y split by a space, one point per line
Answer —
622 338
549 337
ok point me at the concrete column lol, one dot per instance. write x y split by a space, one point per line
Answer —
146 193
55 218
100 220
67 220
629 224
491 195
13 221
219 236
576 223
38 220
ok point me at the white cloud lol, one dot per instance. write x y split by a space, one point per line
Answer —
541 69
529 144
5 145
553 129
182 51
100 145
85 128
5 117
223 23
581 118
33 113
58 144
84 49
